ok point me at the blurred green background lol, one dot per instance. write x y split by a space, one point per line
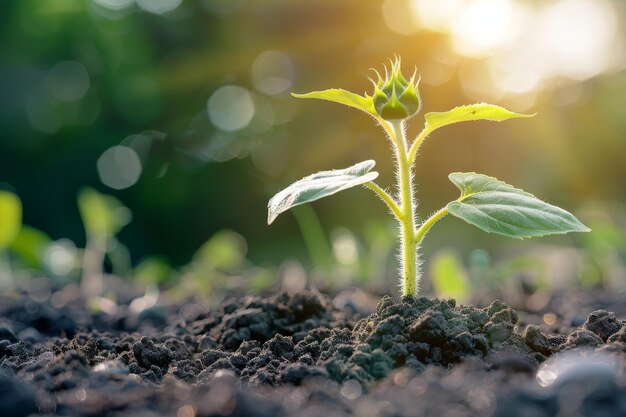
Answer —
180 109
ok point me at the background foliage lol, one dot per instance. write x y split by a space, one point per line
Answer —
181 110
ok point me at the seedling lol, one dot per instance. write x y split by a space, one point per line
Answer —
10 225
487 203
103 217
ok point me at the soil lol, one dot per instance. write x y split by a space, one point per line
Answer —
300 355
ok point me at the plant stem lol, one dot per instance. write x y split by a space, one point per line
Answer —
428 223
417 143
93 256
408 241
393 206
7 281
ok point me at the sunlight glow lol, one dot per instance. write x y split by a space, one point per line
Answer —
485 25
436 15
579 35
574 39
522 48
396 18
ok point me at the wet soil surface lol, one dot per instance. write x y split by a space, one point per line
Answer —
299 355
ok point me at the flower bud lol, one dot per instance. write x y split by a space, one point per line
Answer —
395 97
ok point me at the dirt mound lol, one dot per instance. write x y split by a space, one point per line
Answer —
298 355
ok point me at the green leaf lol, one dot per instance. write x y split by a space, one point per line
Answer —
497 207
347 98
480 111
153 270
29 245
102 214
319 185
10 218
225 250
449 276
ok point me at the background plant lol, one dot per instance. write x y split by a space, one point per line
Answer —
485 202
10 225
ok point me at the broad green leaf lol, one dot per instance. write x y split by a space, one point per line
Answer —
319 185
10 218
347 98
102 214
497 207
480 111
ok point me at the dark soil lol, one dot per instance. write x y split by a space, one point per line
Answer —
298 355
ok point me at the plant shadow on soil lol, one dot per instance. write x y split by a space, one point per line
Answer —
297 354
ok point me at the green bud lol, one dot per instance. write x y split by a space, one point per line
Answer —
395 97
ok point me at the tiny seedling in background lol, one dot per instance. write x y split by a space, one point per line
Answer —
449 276
485 202
103 217
10 225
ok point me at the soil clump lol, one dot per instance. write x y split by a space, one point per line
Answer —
297 354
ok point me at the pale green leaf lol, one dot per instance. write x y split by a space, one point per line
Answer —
319 185
347 98
225 251
29 246
152 271
497 207
480 111
102 214
10 218
449 276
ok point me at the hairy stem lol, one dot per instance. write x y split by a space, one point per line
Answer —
407 221
393 206
417 143
428 223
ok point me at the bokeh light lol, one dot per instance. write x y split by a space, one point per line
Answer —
158 6
345 247
273 72
578 35
395 15
41 115
68 81
485 26
119 167
115 4
61 257
231 108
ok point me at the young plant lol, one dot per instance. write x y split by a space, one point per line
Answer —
10 225
103 217
485 202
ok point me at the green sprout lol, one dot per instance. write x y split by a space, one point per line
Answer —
487 203
10 226
103 217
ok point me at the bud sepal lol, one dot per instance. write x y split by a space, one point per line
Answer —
395 97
